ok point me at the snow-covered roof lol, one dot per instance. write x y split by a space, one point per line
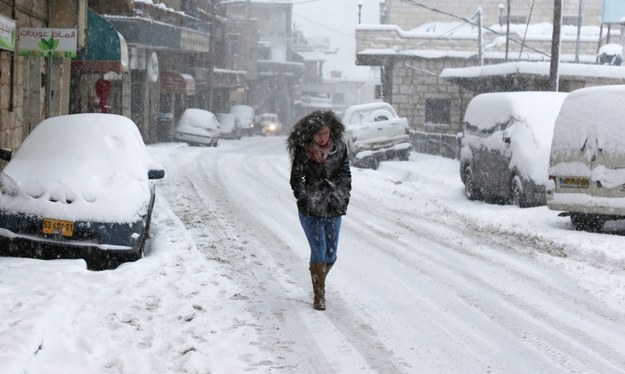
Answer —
466 54
463 30
536 68
313 56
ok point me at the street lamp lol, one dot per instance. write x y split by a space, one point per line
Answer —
359 10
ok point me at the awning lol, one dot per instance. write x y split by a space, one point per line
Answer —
177 83
105 50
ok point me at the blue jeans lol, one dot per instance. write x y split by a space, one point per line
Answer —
323 237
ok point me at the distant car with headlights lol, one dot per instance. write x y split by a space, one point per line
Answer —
198 127
374 132
79 186
245 115
269 124
504 152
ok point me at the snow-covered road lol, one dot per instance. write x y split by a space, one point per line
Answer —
426 281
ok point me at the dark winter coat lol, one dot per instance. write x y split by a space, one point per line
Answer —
322 190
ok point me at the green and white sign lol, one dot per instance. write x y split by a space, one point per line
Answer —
39 42
7 33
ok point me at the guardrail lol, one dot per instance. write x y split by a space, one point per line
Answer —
446 145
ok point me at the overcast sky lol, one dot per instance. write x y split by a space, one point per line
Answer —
336 20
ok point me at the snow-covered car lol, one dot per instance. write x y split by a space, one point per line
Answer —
504 152
587 160
245 116
198 127
374 132
79 186
228 126
269 124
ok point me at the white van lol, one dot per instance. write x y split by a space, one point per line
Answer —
587 159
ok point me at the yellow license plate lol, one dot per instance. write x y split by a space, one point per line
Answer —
574 182
56 226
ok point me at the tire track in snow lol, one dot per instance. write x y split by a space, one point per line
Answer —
261 267
579 354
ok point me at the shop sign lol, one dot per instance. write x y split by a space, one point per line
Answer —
7 33
47 42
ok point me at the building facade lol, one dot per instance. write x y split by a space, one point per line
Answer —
422 39
34 85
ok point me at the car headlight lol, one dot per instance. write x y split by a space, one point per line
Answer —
8 186
272 127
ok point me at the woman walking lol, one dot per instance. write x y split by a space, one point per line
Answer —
321 181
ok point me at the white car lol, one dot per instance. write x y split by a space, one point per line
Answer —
269 124
505 146
228 126
375 132
245 116
198 127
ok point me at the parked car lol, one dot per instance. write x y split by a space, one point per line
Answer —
504 152
228 126
79 186
587 161
198 127
269 124
245 115
374 132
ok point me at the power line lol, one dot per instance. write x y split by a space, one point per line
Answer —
324 26
435 10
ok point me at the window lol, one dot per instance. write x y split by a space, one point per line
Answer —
338 98
378 91
437 111
518 20
570 20
234 44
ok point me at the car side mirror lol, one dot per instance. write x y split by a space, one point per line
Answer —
6 154
156 174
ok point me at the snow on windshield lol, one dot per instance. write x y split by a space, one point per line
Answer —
591 121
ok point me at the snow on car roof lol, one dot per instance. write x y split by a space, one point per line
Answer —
79 165
535 108
593 113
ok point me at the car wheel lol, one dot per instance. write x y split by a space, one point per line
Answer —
469 185
404 155
516 192
374 163
587 222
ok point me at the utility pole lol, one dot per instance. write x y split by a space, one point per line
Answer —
579 29
211 54
555 46
480 37
508 31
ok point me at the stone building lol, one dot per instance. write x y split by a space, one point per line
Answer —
147 60
419 40
33 87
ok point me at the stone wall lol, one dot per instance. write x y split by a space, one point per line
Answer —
415 80
408 16
392 38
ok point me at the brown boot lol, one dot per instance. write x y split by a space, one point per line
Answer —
328 267
318 275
